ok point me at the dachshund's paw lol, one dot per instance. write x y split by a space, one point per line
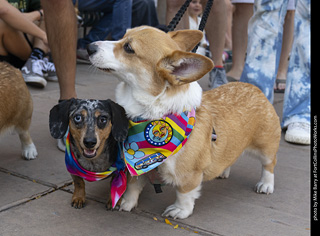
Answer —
78 202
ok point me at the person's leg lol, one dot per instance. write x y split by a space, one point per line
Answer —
216 28
121 18
287 39
241 17
228 39
264 44
173 6
296 106
13 42
61 25
144 13
101 29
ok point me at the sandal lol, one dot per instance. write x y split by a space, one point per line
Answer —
276 88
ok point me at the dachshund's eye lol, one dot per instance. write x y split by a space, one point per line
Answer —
102 121
77 119
128 49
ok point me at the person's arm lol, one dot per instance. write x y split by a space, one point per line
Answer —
17 20
34 15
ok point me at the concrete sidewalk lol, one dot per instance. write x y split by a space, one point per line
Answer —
36 195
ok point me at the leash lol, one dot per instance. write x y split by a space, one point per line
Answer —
176 19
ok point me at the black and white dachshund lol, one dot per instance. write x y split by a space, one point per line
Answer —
95 128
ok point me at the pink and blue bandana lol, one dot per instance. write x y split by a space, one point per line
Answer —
119 182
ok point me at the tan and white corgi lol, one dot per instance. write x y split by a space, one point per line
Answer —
158 76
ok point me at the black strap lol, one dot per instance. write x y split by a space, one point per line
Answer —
157 188
204 19
176 19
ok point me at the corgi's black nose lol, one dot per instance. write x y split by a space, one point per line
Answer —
89 142
92 48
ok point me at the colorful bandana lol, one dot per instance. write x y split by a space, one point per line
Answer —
150 143
119 182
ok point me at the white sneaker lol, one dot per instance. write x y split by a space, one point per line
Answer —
49 70
32 73
298 132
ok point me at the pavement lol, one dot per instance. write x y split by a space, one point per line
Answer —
35 195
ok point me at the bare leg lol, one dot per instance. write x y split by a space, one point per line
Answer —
61 28
241 16
216 30
13 41
173 7
38 43
228 41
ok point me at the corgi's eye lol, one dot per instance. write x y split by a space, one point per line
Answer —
127 48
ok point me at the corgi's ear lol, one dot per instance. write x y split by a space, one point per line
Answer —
186 39
183 67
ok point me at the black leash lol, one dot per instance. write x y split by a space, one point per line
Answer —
176 19
172 25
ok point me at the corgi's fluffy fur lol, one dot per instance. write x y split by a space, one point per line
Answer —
158 76
16 108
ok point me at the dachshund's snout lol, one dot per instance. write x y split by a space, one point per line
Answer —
90 142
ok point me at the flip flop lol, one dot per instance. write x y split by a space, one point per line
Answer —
279 81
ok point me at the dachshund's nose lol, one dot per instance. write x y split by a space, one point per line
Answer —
92 48
90 142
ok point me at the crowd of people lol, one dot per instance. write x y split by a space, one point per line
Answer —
269 41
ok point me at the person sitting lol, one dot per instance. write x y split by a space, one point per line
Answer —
24 44
115 21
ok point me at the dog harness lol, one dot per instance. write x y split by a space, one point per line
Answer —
119 182
150 143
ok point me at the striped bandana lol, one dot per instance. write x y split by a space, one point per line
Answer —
150 143
119 182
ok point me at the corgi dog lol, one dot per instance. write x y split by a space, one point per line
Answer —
158 75
16 108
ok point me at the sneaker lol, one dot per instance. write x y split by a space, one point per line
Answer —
32 73
49 70
217 77
82 55
298 132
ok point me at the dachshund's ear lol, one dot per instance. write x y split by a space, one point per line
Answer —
59 118
119 121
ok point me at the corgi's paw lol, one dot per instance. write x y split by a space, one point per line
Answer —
266 183
29 152
128 204
225 174
177 212
262 187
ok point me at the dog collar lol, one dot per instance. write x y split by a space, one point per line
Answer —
150 143
119 182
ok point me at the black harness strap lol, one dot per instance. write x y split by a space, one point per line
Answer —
172 25
176 19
